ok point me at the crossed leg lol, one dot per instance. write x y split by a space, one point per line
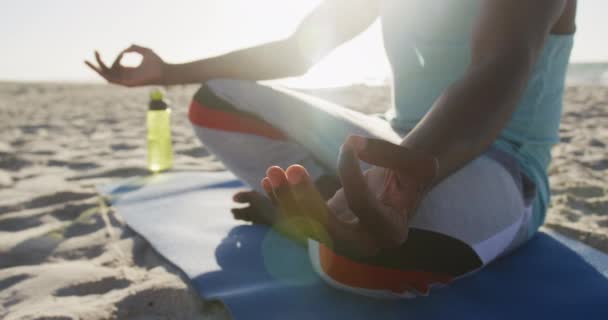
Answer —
464 223
251 127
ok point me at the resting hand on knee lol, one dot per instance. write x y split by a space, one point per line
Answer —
385 197
373 209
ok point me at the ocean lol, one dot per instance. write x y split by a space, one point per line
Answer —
588 74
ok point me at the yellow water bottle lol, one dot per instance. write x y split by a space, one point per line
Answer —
160 151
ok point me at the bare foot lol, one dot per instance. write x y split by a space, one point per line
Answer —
261 210
294 206
301 210
303 213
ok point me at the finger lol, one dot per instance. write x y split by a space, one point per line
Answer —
94 67
116 62
102 65
101 73
353 183
138 49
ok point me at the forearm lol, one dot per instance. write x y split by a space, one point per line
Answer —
470 114
273 60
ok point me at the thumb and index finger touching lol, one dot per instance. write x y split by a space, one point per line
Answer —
101 67
373 151
137 49
131 49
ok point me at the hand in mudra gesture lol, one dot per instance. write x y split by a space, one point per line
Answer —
149 71
373 209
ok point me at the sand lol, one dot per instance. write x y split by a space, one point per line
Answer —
65 254
579 171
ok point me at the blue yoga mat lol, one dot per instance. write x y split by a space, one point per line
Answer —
260 275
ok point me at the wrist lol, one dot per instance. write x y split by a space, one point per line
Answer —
427 165
165 78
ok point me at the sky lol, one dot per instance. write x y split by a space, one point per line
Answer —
44 40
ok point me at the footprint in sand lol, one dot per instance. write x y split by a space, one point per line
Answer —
5 179
18 223
48 200
12 162
583 191
597 143
77 166
123 147
101 286
114 173
11 281
69 212
196 152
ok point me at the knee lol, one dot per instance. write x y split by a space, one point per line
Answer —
225 94
214 96
225 104
209 91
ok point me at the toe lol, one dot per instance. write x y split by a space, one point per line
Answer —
241 213
260 209
267 186
250 214
301 184
244 196
296 174
276 186
277 177
281 191
309 201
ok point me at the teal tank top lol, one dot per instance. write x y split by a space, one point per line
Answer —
428 46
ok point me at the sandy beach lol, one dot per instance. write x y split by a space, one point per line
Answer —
66 254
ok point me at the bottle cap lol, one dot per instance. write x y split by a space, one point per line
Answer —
157 100
156 95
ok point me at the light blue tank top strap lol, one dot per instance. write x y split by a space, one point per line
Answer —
428 46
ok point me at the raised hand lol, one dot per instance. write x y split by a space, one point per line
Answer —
149 71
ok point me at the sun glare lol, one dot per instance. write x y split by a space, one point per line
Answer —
362 60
